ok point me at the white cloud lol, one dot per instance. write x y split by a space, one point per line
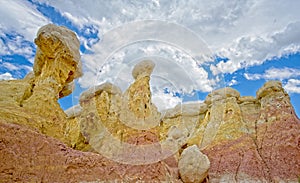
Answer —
174 69
204 15
274 73
278 73
220 23
10 66
292 86
21 17
6 76
246 32
233 82
19 23
225 67
15 44
15 67
253 76
165 101
254 50
3 48
75 20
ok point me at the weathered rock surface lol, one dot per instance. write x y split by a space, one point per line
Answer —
116 124
57 64
28 156
137 109
220 94
193 165
246 139
268 151
143 69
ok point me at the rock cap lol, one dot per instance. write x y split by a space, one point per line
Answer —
186 109
220 94
96 90
269 88
144 68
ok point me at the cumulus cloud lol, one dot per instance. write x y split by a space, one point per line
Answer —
180 57
172 65
13 43
19 24
174 70
15 67
253 76
292 86
233 82
6 76
10 66
246 32
165 101
254 50
274 73
3 48
247 23
21 17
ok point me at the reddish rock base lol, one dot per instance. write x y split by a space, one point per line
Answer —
273 155
28 156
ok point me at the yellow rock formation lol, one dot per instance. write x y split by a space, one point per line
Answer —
128 128
32 101
116 116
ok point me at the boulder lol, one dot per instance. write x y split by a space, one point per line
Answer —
193 165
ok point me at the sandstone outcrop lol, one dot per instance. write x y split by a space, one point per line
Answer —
268 150
227 138
123 126
33 100
246 138
231 129
116 124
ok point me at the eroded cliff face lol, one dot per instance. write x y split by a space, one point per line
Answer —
267 147
246 138
228 138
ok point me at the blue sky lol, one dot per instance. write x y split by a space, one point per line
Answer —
197 46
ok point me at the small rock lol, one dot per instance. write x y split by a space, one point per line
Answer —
175 133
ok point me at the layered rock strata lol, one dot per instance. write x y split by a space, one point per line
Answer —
227 138
29 156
